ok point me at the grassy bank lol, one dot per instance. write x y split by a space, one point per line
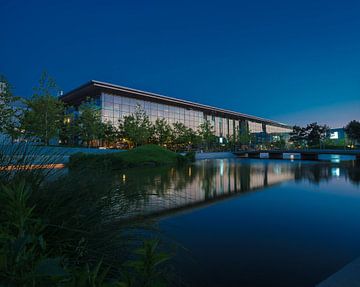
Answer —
147 155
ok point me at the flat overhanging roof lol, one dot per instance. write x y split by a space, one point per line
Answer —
94 88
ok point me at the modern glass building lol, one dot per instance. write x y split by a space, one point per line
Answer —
117 101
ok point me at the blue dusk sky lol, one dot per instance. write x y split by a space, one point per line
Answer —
294 61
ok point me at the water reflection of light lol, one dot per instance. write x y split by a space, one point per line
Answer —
221 167
189 171
124 177
335 171
335 158
277 169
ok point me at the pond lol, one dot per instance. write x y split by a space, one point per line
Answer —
243 222
233 222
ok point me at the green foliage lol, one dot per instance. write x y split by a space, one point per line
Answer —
57 234
312 135
23 250
352 130
137 127
44 116
207 134
89 123
280 143
334 143
244 136
146 267
110 134
162 132
182 137
145 155
69 130
316 133
87 276
9 115
96 161
231 141
299 136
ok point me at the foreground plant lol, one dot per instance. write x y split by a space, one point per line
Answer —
24 259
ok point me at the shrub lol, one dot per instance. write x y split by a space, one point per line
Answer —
140 156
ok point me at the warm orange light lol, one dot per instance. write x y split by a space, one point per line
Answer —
32 166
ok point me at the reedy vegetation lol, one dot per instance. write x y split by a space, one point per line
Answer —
60 231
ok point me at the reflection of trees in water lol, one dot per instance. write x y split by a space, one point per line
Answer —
354 172
324 171
155 189
206 178
312 172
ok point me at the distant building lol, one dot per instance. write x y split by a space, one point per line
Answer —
337 134
117 101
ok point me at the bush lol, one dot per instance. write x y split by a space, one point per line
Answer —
141 156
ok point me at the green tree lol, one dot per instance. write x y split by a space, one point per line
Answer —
162 132
69 130
182 137
9 115
110 134
231 141
90 126
244 136
299 136
352 130
316 133
136 127
45 113
311 135
279 143
207 134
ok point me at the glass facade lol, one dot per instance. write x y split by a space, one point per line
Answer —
115 107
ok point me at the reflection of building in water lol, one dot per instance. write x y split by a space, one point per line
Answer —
208 181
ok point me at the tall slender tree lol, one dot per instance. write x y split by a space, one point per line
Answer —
244 136
45 112
90 126
110 134
207 134
9 114
69 130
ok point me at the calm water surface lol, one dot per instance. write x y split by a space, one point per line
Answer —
255 222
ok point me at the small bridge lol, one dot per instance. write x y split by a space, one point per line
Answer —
309 154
